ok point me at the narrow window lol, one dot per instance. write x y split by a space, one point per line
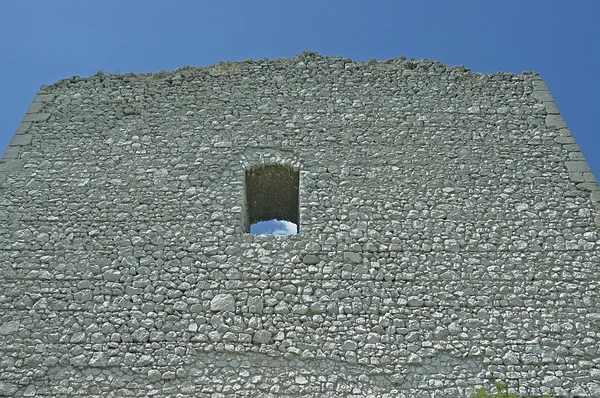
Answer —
272 200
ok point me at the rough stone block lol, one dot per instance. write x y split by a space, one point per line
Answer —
255 304
7 389
43 98
10 165
262 337
36 117
551 108
223 302
30 391
9 327
576 155
577 165
564 140
154 375
576 176
21 140
11 152
589 177
310 259
588 186
555 121
352 258
539 85
542 96
35 107
23 128
572 147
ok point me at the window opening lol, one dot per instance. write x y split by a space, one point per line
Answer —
272 200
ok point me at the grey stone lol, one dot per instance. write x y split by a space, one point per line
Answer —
223 302
414 359
140 335
588 186
318 307
450 275
589 177
310 259
542 95
575 154
30 391
7 389
510 359
565 140
8 328
255 305
36 117
577 166
551 381
353 258
168 375
349 345
112 275
79 360
572 148
44 98
262 337
10 165
414 301
154 375
98 359
23 128
441 333
300 309
301 380
35 107
454 328
594 389
451 245
576 177
555 121
78 337
551 108
539 85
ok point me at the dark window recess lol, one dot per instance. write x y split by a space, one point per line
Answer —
272 194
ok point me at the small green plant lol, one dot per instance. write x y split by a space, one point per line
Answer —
502 393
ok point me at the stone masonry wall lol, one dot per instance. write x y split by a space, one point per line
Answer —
449 235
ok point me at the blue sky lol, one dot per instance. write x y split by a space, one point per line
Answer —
44 41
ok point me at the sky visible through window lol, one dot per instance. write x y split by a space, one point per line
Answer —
274 227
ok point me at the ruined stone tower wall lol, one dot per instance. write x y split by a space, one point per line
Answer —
448 236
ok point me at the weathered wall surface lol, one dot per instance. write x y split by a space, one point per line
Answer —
449 235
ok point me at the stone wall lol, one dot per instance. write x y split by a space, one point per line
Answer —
449 235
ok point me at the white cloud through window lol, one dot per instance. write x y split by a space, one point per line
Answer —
273 227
